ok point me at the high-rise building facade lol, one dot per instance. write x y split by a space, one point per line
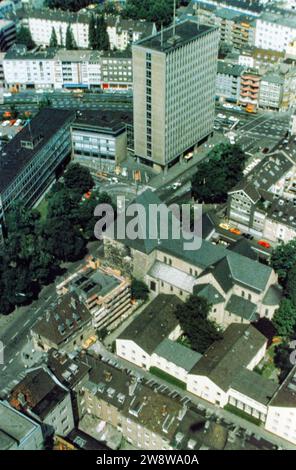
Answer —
174 75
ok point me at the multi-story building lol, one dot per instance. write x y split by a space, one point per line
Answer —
100 139
7 34
28 70
253 57
18 431
228 81
271 91
29 162
121 32
42 397
104 291
174 92
262 204
281 416
61 68
66 325
275 30
250 89
116 70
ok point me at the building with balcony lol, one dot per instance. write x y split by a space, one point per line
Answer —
105 293
250 90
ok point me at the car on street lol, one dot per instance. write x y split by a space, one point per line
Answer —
176 185
264 244
235 231
221 116
224 226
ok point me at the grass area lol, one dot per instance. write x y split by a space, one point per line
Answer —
242 414
184 341
167 377
268 369
42 208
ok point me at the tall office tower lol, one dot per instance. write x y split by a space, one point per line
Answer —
174 74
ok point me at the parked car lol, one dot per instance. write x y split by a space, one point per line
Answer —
234 230
224 226
264 244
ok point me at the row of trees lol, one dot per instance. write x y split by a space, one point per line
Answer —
215 176
35 246
23 36
68 5
98 37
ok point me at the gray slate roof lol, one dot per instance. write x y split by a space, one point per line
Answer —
241 307
209 292
172 276
224 359
177 354
154 324
255 386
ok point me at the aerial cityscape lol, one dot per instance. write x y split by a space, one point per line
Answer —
148 227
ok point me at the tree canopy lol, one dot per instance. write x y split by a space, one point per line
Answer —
53 38
283 259
139 290
68 5
193 318
285 318
23 36
157 11
35 247
98 37
218 174
70 41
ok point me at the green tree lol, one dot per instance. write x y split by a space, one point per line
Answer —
193 318
53 39
85 213
282 360
139 290
291 285
284 318
78 178
92 33
283 259
23 36
102 37
70 41
63 240
221 172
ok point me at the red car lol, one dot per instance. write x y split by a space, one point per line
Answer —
264 244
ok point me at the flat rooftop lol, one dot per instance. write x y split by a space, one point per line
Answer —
14 426
14 157
185 32
112 122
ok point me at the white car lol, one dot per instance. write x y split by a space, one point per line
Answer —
221 116
232 118
176 185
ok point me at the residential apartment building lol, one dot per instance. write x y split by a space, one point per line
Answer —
254 57
18 431
121 32
61 68
146 418
42 397
263 203
281 416
100 139
228 81
170 119
250 89
224 375
275 30
7 34
105 293
271 91
29 162
66 325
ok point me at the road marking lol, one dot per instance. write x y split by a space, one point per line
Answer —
14 336
26 322
4 368
17 353
10 361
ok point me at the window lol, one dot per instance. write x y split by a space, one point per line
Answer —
153 285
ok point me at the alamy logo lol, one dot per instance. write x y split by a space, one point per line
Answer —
157 222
